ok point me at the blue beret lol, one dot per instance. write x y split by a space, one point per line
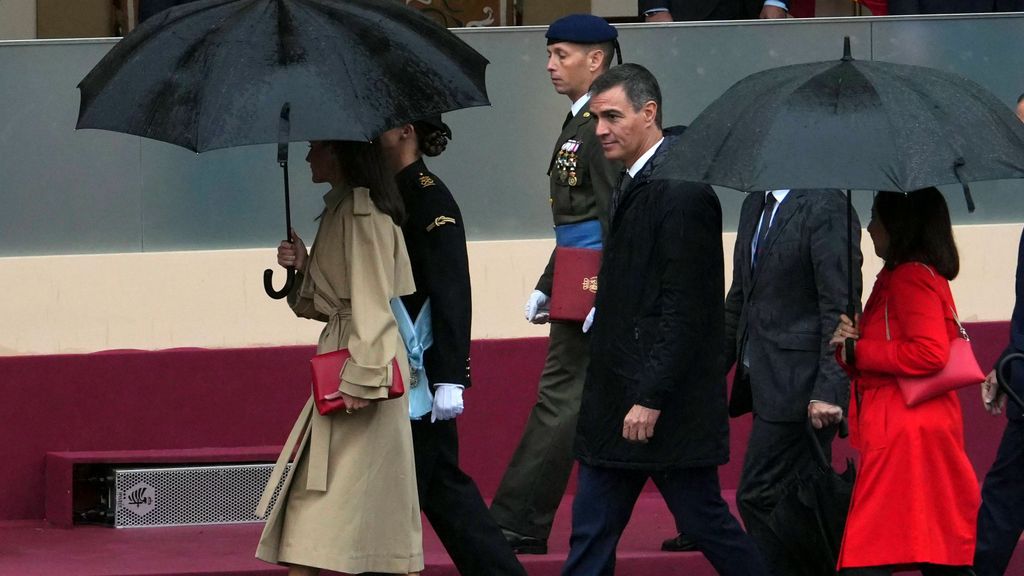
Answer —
581 29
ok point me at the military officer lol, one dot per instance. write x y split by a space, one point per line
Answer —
436 241
580 48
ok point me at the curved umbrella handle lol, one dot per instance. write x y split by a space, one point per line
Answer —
268 283
1002 380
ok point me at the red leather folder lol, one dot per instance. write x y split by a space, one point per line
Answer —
575 283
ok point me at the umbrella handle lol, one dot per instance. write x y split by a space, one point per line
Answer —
268 283
1001 378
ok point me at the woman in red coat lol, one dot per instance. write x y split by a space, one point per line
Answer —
916 496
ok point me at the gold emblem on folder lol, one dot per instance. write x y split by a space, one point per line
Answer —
590 284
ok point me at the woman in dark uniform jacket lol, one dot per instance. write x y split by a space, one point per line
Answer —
436 241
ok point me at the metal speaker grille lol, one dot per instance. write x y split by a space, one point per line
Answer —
186 496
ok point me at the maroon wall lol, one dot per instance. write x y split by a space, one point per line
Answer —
196 398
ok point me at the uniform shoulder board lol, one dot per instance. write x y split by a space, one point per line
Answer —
440 221
426 180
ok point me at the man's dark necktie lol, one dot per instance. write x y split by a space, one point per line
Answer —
568 118
620 190
762 234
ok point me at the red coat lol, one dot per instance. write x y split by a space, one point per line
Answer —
916 496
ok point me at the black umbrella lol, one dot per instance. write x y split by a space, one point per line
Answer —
852 124
220 73
810 517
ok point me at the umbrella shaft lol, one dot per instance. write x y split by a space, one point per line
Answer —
287 204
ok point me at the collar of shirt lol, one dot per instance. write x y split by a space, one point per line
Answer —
579 104
635 168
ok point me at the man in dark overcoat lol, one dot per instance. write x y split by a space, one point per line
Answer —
654 402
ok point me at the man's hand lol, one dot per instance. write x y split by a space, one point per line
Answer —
991 397
663 16
447 402
773 12
537 307
822 414
638 426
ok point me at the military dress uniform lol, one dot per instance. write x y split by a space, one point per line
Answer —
582 181
436 241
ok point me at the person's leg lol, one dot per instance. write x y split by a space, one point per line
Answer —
1001 517
777 453
535 480
604 502
694 497
453 505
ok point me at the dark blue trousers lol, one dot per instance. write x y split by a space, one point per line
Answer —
604 502
1001 518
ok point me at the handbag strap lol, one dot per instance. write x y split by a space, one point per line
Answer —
960 327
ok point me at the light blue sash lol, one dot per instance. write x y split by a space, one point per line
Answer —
418 336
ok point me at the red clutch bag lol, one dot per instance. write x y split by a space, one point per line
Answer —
327 369
574 285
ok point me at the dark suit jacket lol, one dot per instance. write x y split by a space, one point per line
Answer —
683 10
1013 412
786 310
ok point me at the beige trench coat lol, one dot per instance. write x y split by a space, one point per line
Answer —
350 503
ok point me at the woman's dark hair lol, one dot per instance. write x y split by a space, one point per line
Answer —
919 230
362 164
431 138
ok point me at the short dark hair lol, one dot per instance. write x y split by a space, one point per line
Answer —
1020 98
363 164
639 84
919 230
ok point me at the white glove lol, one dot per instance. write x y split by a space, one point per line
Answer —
589 321
537 307
447 402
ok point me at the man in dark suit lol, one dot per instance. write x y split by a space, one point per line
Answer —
1001 518
684 10
790 284
654 401
580 49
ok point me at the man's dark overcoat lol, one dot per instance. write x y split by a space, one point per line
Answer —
657 327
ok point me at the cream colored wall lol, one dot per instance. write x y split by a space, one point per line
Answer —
17 19
60 304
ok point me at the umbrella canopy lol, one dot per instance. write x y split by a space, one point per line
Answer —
855 125
811 515
216 73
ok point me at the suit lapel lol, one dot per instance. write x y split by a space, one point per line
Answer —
790 206
750 213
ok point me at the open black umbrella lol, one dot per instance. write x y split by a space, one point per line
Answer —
810 517
220 73
852 124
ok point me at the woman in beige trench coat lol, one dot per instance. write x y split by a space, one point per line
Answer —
350 503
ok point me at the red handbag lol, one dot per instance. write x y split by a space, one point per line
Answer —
960 371
326 370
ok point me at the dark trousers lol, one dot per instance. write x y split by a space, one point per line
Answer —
1001 518
777 453
604 502
535 480
926 570
453 505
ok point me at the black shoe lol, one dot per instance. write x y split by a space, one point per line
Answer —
681 543
522 544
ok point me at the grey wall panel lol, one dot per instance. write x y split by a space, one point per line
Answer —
92 191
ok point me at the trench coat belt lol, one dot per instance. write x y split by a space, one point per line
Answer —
311 426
